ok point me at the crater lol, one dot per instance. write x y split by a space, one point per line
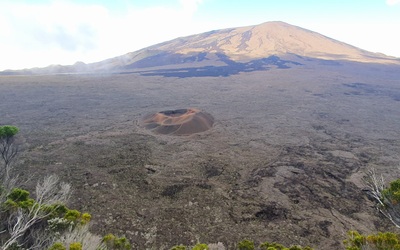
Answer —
178 122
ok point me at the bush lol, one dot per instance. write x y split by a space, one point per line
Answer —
379 241
18 195
72 215
277 246
85 218
246 245
38 224
113 242
57 246
180 247
75 246
393 192
387 198
200 246
8 131
271 246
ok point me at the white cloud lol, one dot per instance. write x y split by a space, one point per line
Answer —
190 6
392 2
62 32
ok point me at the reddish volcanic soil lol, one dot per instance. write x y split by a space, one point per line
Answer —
178 122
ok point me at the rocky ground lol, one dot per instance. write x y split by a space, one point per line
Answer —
284 161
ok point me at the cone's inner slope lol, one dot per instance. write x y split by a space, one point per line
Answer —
178 122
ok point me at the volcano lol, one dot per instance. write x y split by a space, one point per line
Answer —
178 122
229 51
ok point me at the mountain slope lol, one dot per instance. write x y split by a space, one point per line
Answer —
245 44
271 38
232 47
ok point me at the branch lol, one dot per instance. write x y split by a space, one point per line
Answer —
375 187
48 192
8 153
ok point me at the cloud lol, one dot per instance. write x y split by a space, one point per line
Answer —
82 38
392 2
59 24
190 6
63 32
43 34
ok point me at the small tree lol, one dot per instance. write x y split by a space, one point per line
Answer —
386 198
8 151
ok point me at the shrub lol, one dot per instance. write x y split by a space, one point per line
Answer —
246 245
18 198
7 131
387 198
271 246
392 193
57 246
200 246
55 210
180 247
277 246
113 242
75 246
85 218
72 215
18 194
379 241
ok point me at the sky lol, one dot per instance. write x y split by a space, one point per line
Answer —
39 33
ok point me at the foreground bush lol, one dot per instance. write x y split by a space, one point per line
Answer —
113 242
242 245
379 241
45 222
199 246
277 246
387 198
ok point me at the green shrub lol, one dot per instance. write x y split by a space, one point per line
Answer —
8 131
55 210
295 248
200 246
75 246
113 242
180 247
277 246
57 246
393 192
19 198
85 218
379 241
18 195
271 246
121 243
246 245
72 215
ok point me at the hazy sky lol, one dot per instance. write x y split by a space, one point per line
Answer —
37 33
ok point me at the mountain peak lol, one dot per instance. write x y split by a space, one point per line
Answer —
266 39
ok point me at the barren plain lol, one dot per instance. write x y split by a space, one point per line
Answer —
283 161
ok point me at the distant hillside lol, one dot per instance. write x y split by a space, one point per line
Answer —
232 49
